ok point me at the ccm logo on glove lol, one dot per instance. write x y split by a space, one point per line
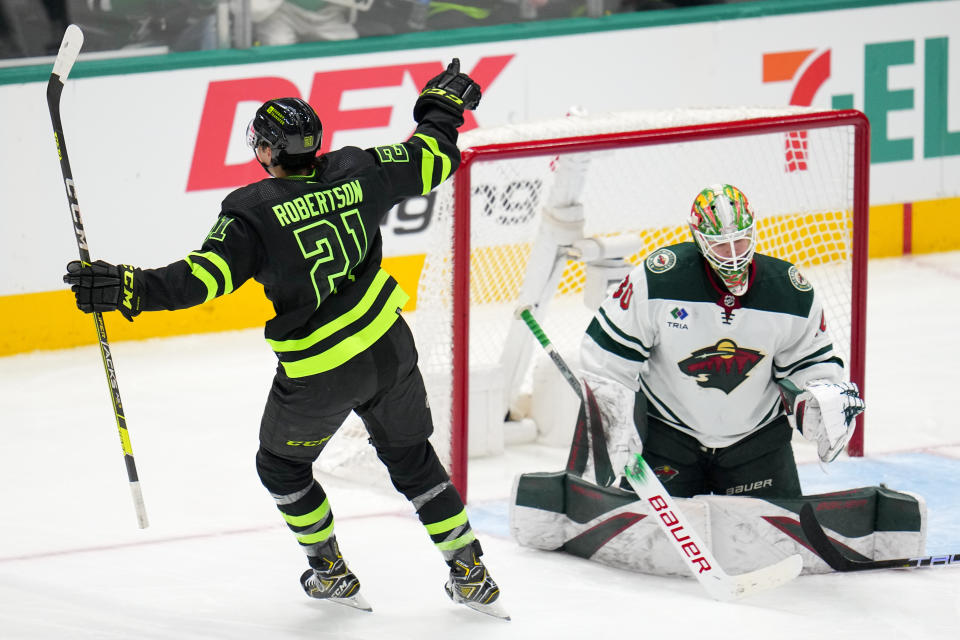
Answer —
102 286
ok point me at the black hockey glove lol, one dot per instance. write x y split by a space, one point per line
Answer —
452 90
102 286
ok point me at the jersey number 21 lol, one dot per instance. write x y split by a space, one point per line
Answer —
334 249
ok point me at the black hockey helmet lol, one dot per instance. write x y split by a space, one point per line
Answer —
290 127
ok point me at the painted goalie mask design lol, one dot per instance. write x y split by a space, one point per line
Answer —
724 229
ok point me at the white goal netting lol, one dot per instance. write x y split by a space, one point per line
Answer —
536 194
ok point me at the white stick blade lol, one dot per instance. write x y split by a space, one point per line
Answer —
69 50
746 584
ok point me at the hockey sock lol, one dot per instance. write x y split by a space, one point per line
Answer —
300 499
416 472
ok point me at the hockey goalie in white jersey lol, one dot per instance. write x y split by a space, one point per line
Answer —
706 358
729 349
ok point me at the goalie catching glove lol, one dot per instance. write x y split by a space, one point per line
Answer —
451 90
823 412
102 286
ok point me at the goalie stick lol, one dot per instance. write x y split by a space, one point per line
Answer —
696 555
66 57
589 411
832 555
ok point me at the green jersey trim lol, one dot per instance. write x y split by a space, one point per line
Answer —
326 330
774 291
302 177
430 153
685 281
209 281
605 342
770 288
657 407
771 414
837 360
819 352
353 345
622 334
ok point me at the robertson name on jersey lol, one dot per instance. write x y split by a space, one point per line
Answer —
314 243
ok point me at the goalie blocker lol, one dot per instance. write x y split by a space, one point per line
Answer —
562 511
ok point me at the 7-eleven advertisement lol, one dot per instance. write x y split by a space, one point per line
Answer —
154 154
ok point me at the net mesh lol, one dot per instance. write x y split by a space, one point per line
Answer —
799 183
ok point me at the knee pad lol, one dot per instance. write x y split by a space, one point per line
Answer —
283 475
414 469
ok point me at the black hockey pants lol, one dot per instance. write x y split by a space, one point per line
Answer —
384 387
761 464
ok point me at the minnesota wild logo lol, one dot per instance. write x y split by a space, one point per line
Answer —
797 280
666 473
661 260
721 366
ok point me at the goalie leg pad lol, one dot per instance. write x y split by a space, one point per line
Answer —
563 512
538 518
560 511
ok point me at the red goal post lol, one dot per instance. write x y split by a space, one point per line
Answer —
838 164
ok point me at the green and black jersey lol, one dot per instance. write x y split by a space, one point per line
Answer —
314 243
706 360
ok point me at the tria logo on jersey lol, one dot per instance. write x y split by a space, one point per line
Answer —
721 366
679 314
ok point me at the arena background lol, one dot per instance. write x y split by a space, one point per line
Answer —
156 142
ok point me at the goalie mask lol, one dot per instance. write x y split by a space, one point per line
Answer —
724 229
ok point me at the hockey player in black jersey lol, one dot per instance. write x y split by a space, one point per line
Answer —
310 234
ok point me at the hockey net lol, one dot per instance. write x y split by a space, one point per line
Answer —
549 214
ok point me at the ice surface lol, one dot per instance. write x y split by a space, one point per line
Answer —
217 562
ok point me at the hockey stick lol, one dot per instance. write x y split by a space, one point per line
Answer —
602 468
699 558
696 555
832 555
66 57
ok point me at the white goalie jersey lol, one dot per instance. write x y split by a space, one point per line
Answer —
707 361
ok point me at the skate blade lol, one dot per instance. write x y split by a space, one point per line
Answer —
495 609
355 601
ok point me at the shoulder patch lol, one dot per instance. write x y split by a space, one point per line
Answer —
392 153
219 230
797 280
661 260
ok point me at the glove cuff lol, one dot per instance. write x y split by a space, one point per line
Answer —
426 101
130 302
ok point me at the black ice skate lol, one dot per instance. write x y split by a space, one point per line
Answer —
329 578
470 583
